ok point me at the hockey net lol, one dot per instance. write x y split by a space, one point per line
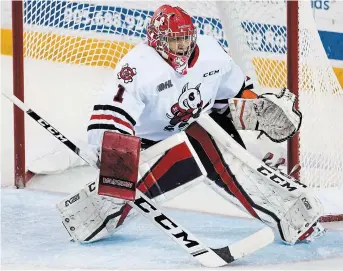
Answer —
91 37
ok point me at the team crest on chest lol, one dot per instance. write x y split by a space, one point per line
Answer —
127 73
189 105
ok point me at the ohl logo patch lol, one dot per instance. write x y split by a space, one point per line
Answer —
127 73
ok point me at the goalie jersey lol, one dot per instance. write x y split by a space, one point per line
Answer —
146 97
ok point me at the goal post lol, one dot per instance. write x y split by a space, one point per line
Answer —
18 91
274 42
292 77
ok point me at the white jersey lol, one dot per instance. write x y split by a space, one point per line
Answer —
146 97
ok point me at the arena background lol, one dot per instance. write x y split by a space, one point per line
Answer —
105 23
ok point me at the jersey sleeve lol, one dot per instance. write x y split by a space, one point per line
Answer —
119 107
232 81
230 85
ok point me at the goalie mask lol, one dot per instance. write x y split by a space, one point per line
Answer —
173 35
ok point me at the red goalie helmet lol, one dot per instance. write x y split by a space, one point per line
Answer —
172 33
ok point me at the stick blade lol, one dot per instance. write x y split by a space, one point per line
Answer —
252 243
239 249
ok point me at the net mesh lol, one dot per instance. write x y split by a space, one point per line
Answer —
262 49
99 34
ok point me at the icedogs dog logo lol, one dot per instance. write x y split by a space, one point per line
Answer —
189 105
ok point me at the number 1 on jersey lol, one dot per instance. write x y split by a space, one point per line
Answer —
119 96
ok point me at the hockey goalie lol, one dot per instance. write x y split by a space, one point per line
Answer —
177 82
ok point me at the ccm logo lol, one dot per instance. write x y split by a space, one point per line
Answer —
306 203
166 223
211 73
72 200
271 175
52 130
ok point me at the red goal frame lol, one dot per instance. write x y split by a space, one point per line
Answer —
18 90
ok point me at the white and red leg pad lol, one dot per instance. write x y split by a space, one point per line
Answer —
88 216
119 166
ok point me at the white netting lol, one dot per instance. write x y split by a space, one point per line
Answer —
100 33
261 49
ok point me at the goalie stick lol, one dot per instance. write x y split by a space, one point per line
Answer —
209 257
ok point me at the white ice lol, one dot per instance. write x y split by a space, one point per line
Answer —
33 237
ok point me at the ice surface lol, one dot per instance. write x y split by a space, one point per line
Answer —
33 236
